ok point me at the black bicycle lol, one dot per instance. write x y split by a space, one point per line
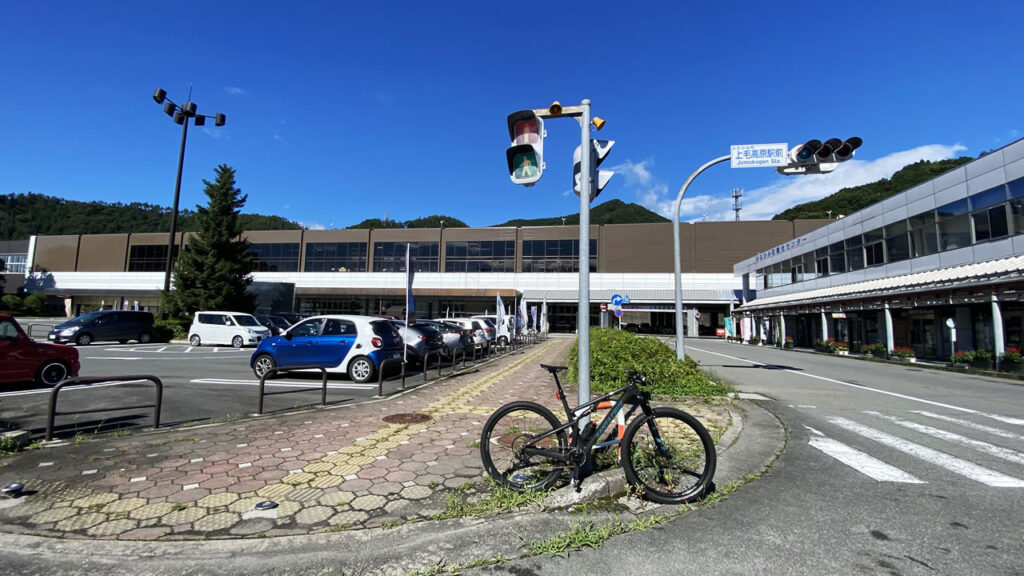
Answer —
665 452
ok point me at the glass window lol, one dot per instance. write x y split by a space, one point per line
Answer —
954 225
990 223
1017 215
897 241
1016 188
149 258
854 253
336 257
988 198
555 256
836 258
275 257
480 256
923 238
390 256
16 263
874 249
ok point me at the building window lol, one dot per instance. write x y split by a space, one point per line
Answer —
821 261
836 258
897 241
390 256
555 256
874 248
954 225
336 257
15 263
796 274
1016 188
855 253
275 257
990 223
480 256
149 258
923 239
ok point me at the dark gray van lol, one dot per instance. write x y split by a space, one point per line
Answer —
117 325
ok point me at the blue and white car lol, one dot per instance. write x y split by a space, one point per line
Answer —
340 343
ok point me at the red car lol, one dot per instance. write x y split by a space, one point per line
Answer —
22 359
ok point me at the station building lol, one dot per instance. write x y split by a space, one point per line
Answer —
937 268
458 271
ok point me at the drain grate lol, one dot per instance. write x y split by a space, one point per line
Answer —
406 418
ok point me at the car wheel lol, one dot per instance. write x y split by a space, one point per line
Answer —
361 369
145 338
237 342
83 339
52 373
122 341
195 340
502 341
263 364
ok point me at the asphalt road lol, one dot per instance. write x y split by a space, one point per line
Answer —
888 469
200 385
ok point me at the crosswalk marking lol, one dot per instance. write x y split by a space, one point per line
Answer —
973 425
863 463
953 464
990 449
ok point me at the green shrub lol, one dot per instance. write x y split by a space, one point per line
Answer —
11 303
612 352
171 329
34 304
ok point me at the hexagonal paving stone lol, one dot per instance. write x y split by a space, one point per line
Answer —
53 515
344 470
214 500
126 505
318 467
94 500
80 522
314 514
186 516
244 504
112 528
339 498
348 518
415 492
273 490
220 521
326 481
298 478
368 502
151 511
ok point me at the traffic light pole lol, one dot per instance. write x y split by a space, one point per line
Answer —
680 347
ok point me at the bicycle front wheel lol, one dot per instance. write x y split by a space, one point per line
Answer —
507 434
669 456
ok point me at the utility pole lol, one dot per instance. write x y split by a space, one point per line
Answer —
736 194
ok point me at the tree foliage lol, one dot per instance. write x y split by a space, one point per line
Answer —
850 200
212 272
611 212
24 215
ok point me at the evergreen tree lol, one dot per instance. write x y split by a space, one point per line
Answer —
213 270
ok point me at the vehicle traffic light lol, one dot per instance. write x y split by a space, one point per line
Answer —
526 154
817 157
599 178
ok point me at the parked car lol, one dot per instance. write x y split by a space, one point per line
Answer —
420 339
455 337
340 343
477 327
22 359
235 328
117 325
291 317
275 324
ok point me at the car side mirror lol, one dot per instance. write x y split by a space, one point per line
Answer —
288 335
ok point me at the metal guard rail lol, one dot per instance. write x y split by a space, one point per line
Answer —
52 412
380 374
275 370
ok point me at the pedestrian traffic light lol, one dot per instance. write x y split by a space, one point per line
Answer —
599 178
526 154
817 157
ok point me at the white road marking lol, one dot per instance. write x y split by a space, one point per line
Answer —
953 464
1007 419
66 389
968 424
863 463
985 447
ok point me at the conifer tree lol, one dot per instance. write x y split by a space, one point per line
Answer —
214 267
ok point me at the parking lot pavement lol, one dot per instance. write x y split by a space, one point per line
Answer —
391 461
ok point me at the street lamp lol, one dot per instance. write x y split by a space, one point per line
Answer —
180 114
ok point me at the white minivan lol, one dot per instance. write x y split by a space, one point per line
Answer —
235 328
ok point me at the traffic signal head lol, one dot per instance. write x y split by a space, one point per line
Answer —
815 157
525 156
804 153
845 150
599 150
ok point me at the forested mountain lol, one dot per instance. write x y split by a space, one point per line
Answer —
435 221
850 200
611 212
22 215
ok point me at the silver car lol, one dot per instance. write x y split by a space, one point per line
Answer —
481 340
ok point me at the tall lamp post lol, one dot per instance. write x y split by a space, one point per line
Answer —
181 115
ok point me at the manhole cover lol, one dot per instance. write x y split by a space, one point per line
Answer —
409 418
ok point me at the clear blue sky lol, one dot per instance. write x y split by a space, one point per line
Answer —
342 111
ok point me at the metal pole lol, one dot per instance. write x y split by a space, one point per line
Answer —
680 348
583 312
174 209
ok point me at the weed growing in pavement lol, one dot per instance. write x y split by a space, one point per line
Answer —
438 568
586 535
35 445
433 484
474 444
122 432
388 525
79 438
232 417
8 445
188 424
178 507
499 499
158 442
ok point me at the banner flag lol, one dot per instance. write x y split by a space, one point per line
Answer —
502 325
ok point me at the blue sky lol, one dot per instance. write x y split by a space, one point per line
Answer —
342 111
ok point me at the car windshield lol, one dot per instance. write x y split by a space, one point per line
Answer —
84 318
246 320
279 322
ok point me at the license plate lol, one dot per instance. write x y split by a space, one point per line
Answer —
52 336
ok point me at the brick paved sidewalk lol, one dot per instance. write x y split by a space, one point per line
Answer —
327 469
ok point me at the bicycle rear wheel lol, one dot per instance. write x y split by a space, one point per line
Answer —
505 436
670 456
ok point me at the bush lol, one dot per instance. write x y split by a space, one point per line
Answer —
171 329
840 346
902 352
34 304
612 352
982 355
1012 355
962 357
11 303
876 349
